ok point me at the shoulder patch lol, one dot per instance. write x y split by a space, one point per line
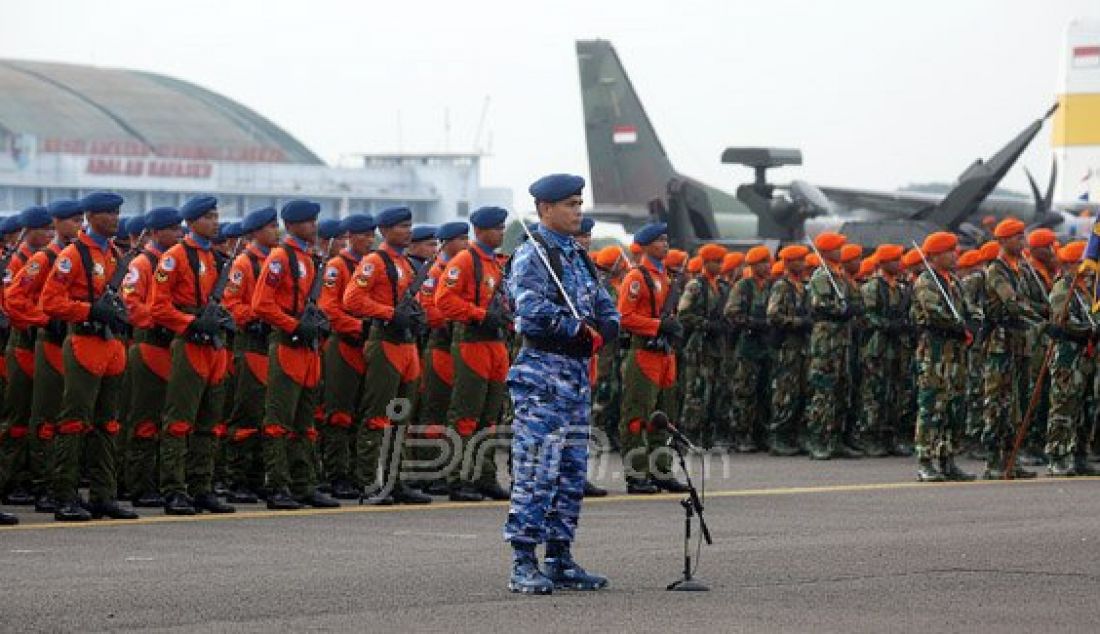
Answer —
64 265
7 276
635 288
276 267
236 276
332 273
32 268
131 278
168 263
429 285
97 270
453 272
302 272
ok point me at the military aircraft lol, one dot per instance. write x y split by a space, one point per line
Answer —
633 181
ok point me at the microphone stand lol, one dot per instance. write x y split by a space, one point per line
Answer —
693 506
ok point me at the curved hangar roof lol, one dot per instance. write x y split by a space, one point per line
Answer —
73 106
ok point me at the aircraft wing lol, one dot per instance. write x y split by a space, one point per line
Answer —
901 204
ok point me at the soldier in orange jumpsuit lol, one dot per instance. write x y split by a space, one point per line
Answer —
343 358
649 371
94 360
438 376
294 370
470 296
378 294
23 470
182 284
245 452
149 359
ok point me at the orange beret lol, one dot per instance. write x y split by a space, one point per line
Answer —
1008 228
779 268
711 252
695 264
1041 237
940 242
793 252
850 252
911 259
757 255
867 266
971 258
889 252
829 241
732 260
990 251
608 256
675 258
1072 252
813 261
635 248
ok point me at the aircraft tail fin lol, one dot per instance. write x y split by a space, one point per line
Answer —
628 164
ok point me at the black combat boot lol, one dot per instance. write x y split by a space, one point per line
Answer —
72 511
210 502
178 504
493 491
318 500
591 490
110 509
927 472
635 486
281 500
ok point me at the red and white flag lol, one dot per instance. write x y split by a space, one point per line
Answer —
624 134
1086 56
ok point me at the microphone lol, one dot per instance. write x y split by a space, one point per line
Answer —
660 420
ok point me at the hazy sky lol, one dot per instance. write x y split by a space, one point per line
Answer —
877 94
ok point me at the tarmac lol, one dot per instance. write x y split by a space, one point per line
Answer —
839 546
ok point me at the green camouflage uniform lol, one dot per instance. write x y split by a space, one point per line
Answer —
973 287
941 359
1071 372
852 408
1037 292
788 316
882 371
700 310
747 310
608 393
828 358
1009 316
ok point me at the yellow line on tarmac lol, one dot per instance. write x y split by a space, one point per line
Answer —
442 506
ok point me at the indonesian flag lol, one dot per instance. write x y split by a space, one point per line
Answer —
624 134
1086 56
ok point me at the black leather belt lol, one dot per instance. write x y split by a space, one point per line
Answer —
568 348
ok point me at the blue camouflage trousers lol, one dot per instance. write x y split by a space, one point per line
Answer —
549 447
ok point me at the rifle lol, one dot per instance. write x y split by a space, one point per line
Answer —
939 285
215 312
313 318
672 300
829 273
1037 391
409 296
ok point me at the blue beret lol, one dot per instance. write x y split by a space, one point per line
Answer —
228 231
648 233
162 217
97 202
393 216
62 209
556 187
198 207
135 225
120 231
488 217
258 219
300 211
451 230
358 223
11 224
423 232
35 217
586 226
329 228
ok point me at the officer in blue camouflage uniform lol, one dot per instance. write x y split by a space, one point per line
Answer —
550 387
